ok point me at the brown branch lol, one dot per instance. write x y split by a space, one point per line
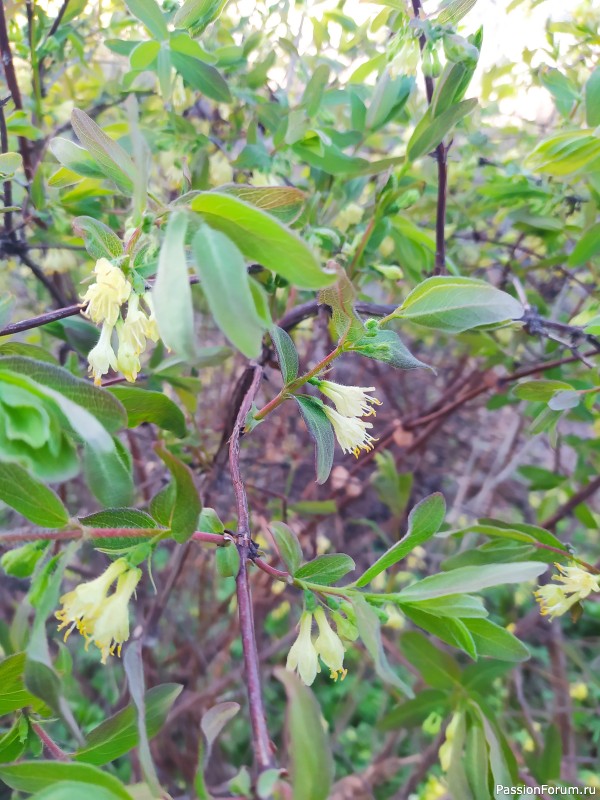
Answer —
245 546
563 511
13 86
7 183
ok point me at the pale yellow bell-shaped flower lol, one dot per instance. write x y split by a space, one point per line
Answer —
105 297
350 401
128 359
135 325
553 600
151 324
302 657
111 626
329 646
83 604
102 357
351 432
577 581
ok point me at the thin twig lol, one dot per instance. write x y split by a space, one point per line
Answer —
8 182
50 745
258 721
580 496
13 86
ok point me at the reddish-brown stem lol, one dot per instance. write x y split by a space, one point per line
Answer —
295 385
273 571
258 720
50 745
580 496
41 319
361 248
14 537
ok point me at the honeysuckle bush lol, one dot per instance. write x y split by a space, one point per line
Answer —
235 232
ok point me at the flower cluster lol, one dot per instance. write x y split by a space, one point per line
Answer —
99 617
305 653
351 403
577 584
105 298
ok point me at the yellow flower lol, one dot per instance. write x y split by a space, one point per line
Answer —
135 325
434 789
102 357
445 751
83 604
351 432
350 401
106 296
577 580
151 325
111 627
351 215
579 691
128 360
221 171
329 646
303 656
577 583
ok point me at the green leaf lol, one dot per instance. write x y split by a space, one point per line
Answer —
187 507
592 99
471 579
99 239
262 239
286 203
326 569
312 767
288 545
387 346
453 11
108 472
108 155
424 521
437 668
495 641
98 402
34 776
74 790
143 55
74 158
369 629
313 92
213 722
148 12
476 761
198 13
203 77
454 605
565 153
588 245
451 630
171 293
340 298
455 305
9 164
118 518
414 712
14 693
118 734
143 405
287 355
321 432
430 131
31 498
134 671
226 285
539 390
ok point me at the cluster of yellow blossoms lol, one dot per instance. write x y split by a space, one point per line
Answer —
305 653
105 298
351 403
99 617
577 584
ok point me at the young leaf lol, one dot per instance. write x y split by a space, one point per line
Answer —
110 156
423 522
431 130
31 498
369 630
387 346
495 641
100 241
226 285
288 545
171 293
34 776
326 569
262 239
148 12
312 767
287 354
187 507
471 579
14 692
198 13
321 431
455 305
203 77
